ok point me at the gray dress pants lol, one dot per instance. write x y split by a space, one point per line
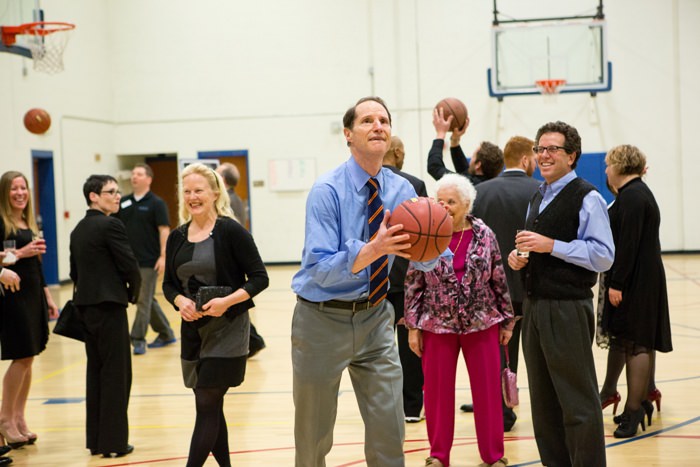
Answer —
326 341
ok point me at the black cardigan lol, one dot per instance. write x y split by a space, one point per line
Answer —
236 256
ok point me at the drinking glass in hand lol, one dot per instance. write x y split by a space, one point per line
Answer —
521 253
9 247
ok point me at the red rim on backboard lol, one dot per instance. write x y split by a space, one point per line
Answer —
47 41
550 86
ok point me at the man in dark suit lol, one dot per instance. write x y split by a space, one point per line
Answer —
106 279
410 362
502 204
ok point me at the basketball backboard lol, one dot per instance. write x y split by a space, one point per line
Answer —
14 13
570 50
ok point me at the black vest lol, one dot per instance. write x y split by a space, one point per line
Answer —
549 277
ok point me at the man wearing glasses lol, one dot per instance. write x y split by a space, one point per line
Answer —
106 279
569 241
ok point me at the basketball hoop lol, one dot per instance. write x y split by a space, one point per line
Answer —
550 86
48 41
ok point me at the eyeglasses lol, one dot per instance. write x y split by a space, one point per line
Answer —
549 149
111 192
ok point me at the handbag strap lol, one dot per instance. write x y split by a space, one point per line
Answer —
505 350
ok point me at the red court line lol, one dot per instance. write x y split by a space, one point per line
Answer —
466 442
471 440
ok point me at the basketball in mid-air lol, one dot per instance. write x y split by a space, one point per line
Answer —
456 108
427 223
37 121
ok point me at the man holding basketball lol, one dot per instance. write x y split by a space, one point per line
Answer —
342 319
569 241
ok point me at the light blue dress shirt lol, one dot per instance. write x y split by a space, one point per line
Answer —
594 248
336 230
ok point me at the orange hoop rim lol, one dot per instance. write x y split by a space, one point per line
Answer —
38 28
550 86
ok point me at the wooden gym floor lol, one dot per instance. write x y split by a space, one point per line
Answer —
260 413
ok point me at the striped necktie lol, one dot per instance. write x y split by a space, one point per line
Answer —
378 280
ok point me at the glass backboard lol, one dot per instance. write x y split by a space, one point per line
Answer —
572 50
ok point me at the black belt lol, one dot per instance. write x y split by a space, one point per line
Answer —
354 306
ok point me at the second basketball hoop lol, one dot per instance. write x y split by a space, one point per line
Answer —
45 39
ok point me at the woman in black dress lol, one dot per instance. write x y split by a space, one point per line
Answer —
635 314
211 249
24 313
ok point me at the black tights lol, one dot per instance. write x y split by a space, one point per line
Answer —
640 370
210 432
637 372
616 362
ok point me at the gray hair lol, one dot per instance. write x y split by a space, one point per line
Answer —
464 187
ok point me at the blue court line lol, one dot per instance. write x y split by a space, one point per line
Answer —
64 400
630 440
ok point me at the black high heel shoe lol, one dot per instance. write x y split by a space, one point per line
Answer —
629 422
14 444
648 409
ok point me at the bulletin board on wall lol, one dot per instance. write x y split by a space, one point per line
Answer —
291 174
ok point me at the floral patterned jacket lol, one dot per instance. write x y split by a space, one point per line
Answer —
437 302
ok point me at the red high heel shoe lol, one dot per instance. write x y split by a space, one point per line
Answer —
614 399
655 396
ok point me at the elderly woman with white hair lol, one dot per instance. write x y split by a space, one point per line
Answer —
462 304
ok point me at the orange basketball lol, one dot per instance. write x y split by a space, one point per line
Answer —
37 121
428 225
456 108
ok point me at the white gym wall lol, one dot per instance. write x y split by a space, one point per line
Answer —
275 77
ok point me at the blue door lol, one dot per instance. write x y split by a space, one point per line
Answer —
45 210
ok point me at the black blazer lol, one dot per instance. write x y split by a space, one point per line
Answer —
502 204
102 265
238 263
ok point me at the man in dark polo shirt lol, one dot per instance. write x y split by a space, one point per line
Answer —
145 216
569 241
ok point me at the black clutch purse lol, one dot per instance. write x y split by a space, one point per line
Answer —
69 323
206 293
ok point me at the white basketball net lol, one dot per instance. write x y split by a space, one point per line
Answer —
47 51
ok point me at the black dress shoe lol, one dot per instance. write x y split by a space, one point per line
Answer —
4 450
509 419
5 460
467 408
129 450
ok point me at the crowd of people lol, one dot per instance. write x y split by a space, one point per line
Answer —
522 263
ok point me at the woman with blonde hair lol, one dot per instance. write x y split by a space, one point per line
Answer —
635 317
211 253
24 310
